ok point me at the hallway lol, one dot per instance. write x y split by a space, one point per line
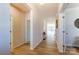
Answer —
17 29
46 47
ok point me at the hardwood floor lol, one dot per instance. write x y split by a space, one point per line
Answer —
72 51
45 48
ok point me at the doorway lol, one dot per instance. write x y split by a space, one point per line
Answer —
28 31
50 30
51 33
17 27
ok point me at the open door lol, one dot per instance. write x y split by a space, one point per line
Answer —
11 34
17 23
59 33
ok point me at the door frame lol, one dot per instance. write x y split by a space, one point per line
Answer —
22 10
11 38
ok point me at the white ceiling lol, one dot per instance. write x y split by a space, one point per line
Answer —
69 5
47 9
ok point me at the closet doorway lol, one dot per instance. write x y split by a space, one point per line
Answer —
17 26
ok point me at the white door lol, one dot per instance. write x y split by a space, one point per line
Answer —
11 33
59 33
28 31
18 27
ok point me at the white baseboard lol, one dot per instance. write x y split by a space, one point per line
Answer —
18 45
32 48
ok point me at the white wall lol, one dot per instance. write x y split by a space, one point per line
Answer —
27 31
59 33
4 28
36 28
71 15
45 25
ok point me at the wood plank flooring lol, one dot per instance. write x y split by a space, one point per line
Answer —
45 48
72 51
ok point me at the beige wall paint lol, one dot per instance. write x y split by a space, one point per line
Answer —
18 26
